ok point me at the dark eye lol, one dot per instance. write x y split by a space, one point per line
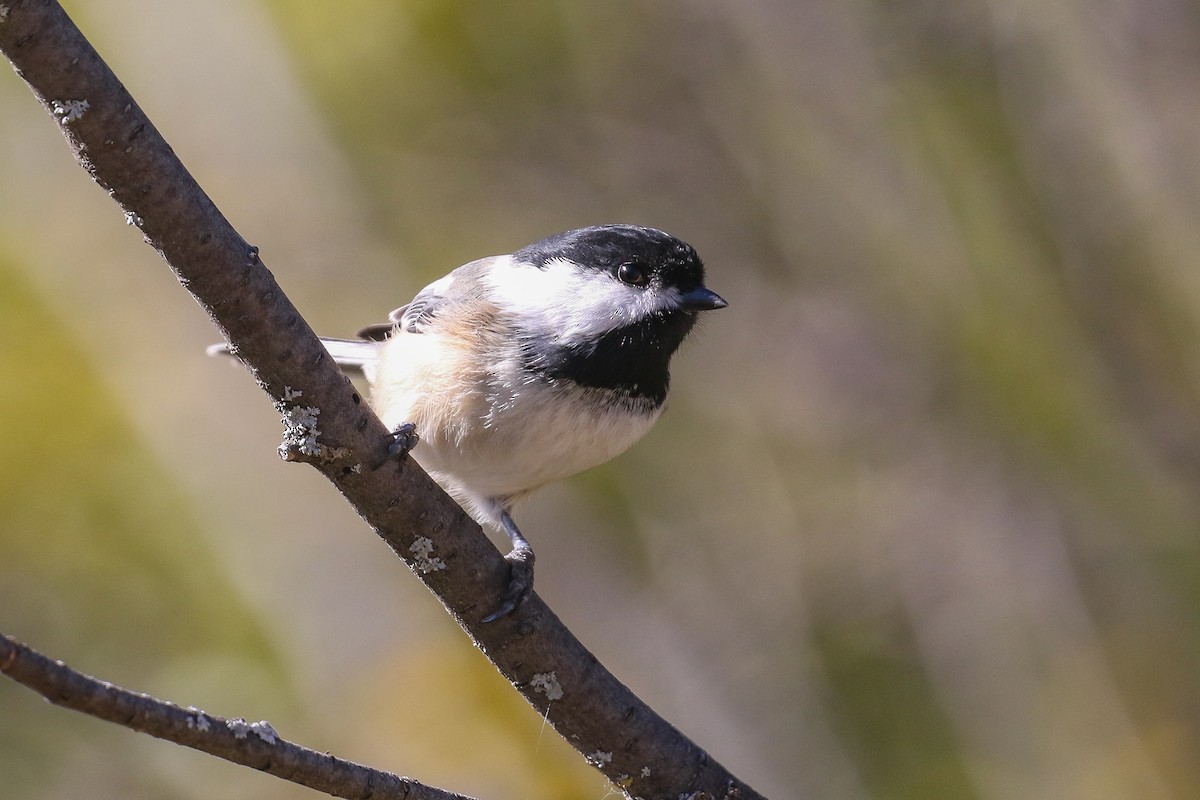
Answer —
633 274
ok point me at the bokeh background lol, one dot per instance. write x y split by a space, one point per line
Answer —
922 519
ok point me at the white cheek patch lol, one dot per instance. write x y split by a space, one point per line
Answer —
572 303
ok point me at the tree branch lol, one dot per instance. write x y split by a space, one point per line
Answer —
328 425
254 744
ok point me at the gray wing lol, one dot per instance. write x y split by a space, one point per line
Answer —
380 331
412 318
417 316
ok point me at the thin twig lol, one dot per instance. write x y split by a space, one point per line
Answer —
328 425
252 744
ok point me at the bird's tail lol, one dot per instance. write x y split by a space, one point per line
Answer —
352 355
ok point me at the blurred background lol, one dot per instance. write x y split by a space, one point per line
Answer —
922 520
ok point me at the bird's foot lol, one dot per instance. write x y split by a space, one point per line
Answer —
520 576
520 583
404 439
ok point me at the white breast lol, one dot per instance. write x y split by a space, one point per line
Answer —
487 436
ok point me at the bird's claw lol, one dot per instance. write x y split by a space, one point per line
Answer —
520 583
404 439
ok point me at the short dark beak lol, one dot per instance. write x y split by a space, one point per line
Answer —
701 299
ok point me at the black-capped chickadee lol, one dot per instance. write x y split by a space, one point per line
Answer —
517 370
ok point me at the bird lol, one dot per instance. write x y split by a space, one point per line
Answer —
515 371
